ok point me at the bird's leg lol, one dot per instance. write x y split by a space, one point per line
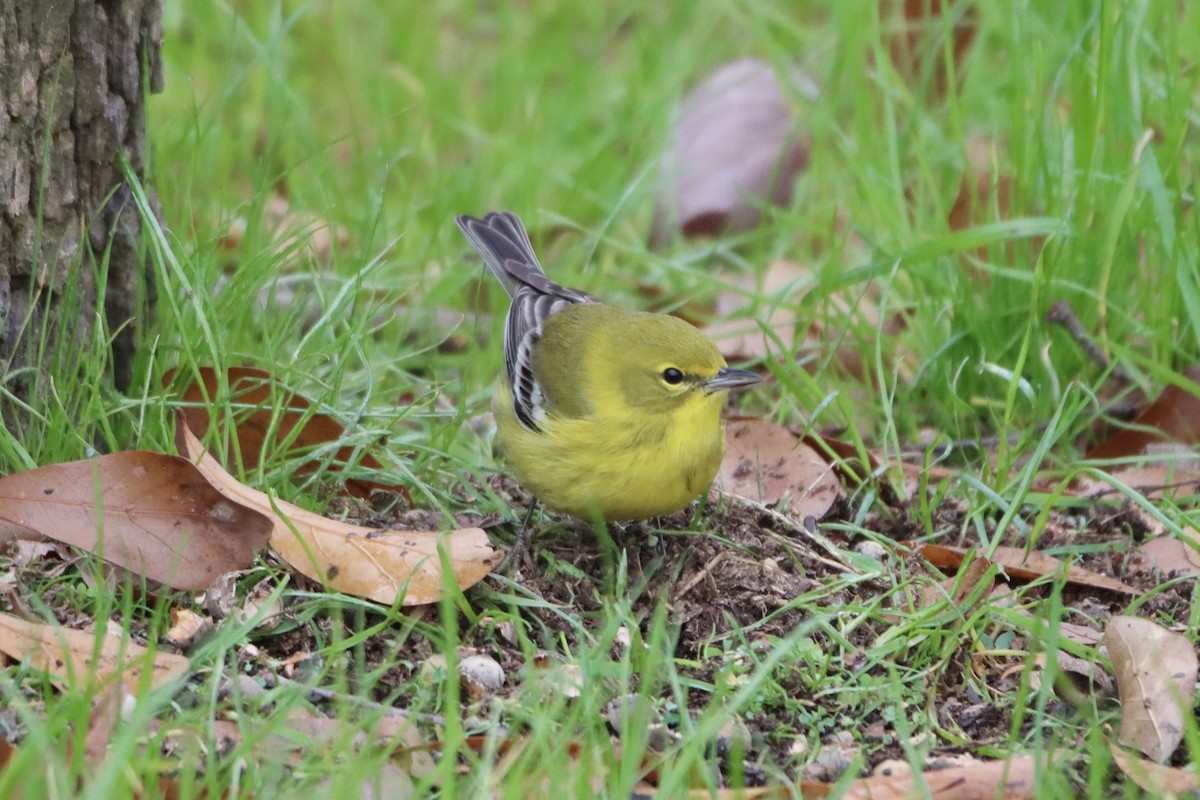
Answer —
609 554
517 552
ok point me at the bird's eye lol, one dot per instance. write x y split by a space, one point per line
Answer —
672 375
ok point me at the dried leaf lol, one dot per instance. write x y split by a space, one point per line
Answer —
738 334
917 46
26 552
106 713
1191 540
749 793
187 627
1087 679
981 187
776 326
1156 678
1068 630
1170 555
72 659
1174 418
1010 779
151 513
320 733
365 562
986 780
1165 479
958 588
767 463
918 476
292 231
1025 565
1158 780
736 146
269 420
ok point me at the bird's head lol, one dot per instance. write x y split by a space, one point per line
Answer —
658 363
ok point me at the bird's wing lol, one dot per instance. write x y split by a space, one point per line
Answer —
536 300
502 241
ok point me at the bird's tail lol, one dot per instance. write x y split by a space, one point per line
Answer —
500 237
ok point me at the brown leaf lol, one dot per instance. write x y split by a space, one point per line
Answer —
738 334
1079 678
151 513
271 422
106 713
1067 630
1174 418
292 231
39 549
778 792
1011 779
69 656
1156 678
918 476
1025 565
8 752
1164 479
1158 780
959 587
918 45
365 562
1170 555
736 145
767 463
981 187
1191 538
187 627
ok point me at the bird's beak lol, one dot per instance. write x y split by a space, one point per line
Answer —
729 378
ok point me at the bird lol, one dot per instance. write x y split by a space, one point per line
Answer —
602 413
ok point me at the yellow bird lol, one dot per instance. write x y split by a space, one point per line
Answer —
604 413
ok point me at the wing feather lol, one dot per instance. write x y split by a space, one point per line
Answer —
508 254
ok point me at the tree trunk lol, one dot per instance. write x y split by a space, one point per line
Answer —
73 80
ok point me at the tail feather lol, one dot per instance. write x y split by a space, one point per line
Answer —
500 237
502 241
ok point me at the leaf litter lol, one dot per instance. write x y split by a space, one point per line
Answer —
384 566
1156 673
150 513
738 143
267 420
75 660
771 569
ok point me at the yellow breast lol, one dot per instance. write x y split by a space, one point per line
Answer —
617 464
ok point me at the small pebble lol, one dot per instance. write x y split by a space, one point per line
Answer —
661 737
433 668
631 707
480 676
187 628
799 747
836 755
892 768
734 737
871 549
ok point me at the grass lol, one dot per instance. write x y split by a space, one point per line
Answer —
383 121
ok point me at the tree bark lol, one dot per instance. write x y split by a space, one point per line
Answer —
73 80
